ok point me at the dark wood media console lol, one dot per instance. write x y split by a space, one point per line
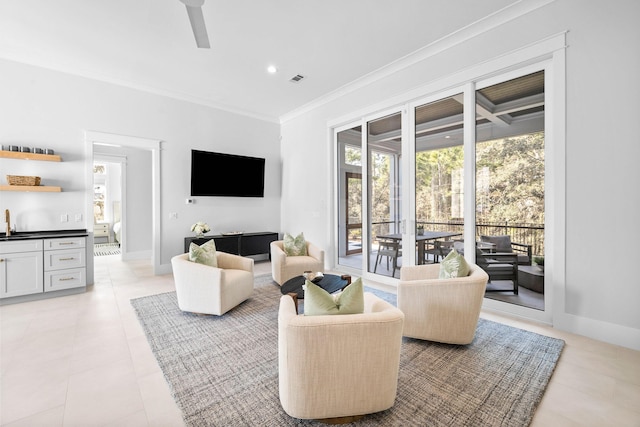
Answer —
244 244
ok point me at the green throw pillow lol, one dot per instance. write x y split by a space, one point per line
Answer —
295 246
318 302
453 265
205 254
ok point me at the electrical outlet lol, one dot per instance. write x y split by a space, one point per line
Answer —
64 218
173 215
78 217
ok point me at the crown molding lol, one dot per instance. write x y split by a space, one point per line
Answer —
494 20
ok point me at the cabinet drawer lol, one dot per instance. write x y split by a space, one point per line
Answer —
101 230
64 279
29 245
64 258
64 243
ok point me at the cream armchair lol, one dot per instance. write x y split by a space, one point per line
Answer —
338 366
442 310
209 290
285 267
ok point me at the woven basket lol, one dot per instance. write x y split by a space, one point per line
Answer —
23 180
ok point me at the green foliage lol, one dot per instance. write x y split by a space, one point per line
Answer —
515 192
435 170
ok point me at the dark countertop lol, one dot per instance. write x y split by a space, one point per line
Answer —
27 235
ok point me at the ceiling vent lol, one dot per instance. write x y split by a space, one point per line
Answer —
296 78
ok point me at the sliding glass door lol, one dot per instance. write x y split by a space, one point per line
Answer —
461 170
349 190
439 177
510 182
384 195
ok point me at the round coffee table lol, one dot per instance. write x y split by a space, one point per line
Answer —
330 283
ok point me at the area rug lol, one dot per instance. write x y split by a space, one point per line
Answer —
223 371
103 249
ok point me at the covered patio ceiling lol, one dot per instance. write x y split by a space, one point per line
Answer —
511 108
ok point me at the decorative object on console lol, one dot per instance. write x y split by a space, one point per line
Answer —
200 228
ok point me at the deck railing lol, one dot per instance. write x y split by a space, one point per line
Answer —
528 234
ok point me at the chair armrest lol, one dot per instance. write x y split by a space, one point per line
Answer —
502 257
315 252
287 308
521 247
234 262
202 277
277 254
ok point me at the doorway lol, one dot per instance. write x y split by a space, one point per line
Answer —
109 184
153 148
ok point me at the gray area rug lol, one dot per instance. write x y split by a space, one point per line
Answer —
223 371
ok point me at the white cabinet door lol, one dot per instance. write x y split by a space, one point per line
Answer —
21 274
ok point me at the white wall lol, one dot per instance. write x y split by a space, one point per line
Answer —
44 108
600 289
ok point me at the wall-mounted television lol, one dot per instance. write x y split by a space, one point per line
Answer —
220 174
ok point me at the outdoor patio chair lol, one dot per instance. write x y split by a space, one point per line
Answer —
390 249
505 245
499 266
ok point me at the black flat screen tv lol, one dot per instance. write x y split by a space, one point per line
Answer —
230 175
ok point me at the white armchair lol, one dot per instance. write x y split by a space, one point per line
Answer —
442 310
334 366
285 267
209 290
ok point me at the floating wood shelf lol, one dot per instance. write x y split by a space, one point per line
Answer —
35 188
30 156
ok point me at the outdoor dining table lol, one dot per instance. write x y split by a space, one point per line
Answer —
421 239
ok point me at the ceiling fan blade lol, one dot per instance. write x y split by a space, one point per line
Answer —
198 26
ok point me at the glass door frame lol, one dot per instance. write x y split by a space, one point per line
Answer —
552 148
549 55
408 255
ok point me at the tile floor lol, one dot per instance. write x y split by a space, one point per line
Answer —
83 360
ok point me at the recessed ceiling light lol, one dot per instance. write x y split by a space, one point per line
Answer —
272 69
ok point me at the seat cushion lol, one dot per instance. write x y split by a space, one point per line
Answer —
295 246
205 254
318 302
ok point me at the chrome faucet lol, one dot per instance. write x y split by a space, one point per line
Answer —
7 218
